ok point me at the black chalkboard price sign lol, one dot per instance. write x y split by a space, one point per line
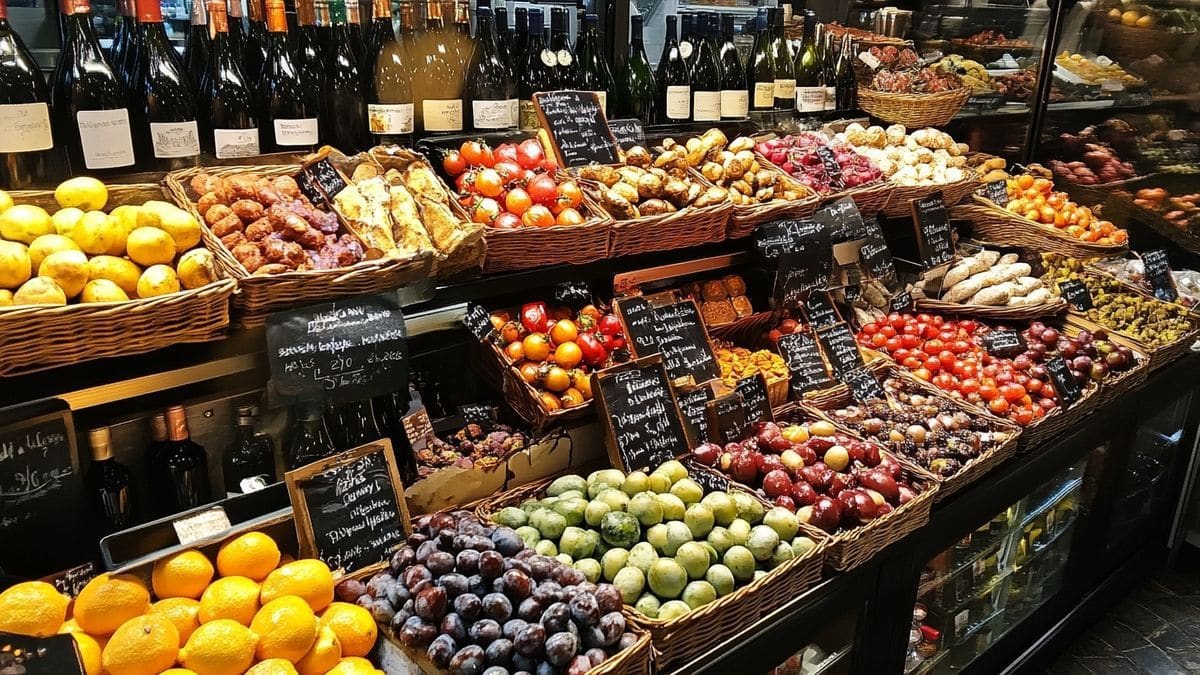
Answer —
728 418
708 479
692 406
483 414
577 126
754 394
997 191
573 294
901 301
72 581
350 509
637 317
844 220
644 427
320 181
52 655
1003 342
841 349
806 263
345 350
1065 385
832 168
863 385
676 331
819 310
478 321
628 132
874 256
935 236
1076 293
1157 267
806 368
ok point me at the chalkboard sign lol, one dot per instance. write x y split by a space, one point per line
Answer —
806 265
309 188
695 413
1158 273
52 655
478 321
935 236
627 132
754 394
577 127
832 167
874 255
728 418
637 316
806 368
901 301
846 228
676 331
863 385
573 294
819 310
1065 385
840 348
483 414
1076 293
773 239
709 480
645 428
1003 342
350 509
320 181
345 350
997 191
39 488
418 428
72 581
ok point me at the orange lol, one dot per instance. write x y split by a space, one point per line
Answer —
309 579
571 398
143 645
252 555
183 575
183 612
108 601
273 667
323 655
33 608
221 647
354 626
287 629
89 653
230 598
556 379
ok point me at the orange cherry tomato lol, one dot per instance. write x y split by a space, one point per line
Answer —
486 211
564 331
477 153
453 163
537 347
568 216
529 372
550 402
510 332
515 351
517 201
572 398
1025 181
556 379
568 355
570 194
537 216
488 183
582 382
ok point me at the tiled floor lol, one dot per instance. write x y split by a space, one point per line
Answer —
1155 630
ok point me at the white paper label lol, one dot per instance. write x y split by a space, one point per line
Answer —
514 107
735 103
679 102
443 114
810 99
706 106
105 137
175 139
961 620
564 57
549 58
296 131
785 89
764 94
390 118
235 142
685 49
25 127
201 525
491 114
830 98
603 96
869 59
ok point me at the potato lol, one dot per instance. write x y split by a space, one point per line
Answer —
713 172
713 195
627 191
733 168
654 207
676 191
741 143
637 156
649 186
618 205
693 192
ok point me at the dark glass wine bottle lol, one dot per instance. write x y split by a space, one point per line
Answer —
638 93
237 29
378 33
129 51
735 96
227 104
687 42
389 416
829 70
126 26
154 467
109 486
184 465
195 47
164 105
354 25
537 73
249 464
353 424
344 120
760 69
594 72
566 72
309 441
785 74
390 96
89 106
309 56
323 23
674 81
847 87
288 117
27 153
706 76
503 34
437 84
489 88
462 20
256 40
810 85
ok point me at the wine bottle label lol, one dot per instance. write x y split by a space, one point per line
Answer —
25 127
491 114
514 108
175 139
764 94
390 118
105 137
563 57
706 106
735 103
443 114
235 142
296 131
529 119
685 50
679 102
785 89
830 98
810 99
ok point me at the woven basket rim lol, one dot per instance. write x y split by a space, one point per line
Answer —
1104 250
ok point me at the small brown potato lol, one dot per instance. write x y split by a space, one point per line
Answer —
617 204
655 207
626 191
713 172
676 191
693 193
637 156
713 195
650 187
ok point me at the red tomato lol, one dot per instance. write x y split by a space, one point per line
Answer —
517 201
912 363
1015 393
507 221
988 392
934 346
969 386
509 171
888 332
488 183
910 341
922 374
453 163
477 153
506 152
465 182
543 189
1023 416
486 211
538 216
998 406
568 216
529 154
594 353
869 329
878 340
933 365
947 358
892 344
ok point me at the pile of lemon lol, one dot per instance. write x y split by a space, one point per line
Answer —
80 253
259 617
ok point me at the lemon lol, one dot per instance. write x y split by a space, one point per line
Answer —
183 575
6 298
84 192
24 223
69 626
102 290
183 612
124 273
197 268
222 647
230 598
68 269
157 280
273 667
47 244
286 629
310 579
5 201
354 665
152 212
251 555
182 227
32 608
126 220
354 626
323 655
110 600
178 671
15 264
97 234
39 291
150 246
89 653
143 645
66 220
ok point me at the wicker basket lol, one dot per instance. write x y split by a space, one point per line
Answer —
1158 356
995 225
900 202
684 228
528 247
870 199
913 110
1130 43
1155 221
1090 195
1054 307
260 295
38 337
746 217
745 331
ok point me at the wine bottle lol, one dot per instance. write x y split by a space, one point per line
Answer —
462 21
706 76
126 25
288 117
344 109
847 87
249 464
390 96
674 81
27 153
408 31
184 463
353 424
89 107
785 74
566 73
379 33
309 440
256 40
687 45
538 71
503 35
129 51
154 467
323 23
635 84
594 73
195 47
760 69
354 25
520 39
389 416
810 88
489 87
226 97
237 29
110 487
437 85
829 71
735 96
164 106
309 57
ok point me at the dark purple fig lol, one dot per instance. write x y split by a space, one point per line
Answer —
430 603
414 540
400 618
478 585
485 631
454 583
579 665
627 640
497 606
398 594
439 563
596 656
530 610
441 650
467 562
424 550
401 559
541 567
561 648
382 611
496 670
